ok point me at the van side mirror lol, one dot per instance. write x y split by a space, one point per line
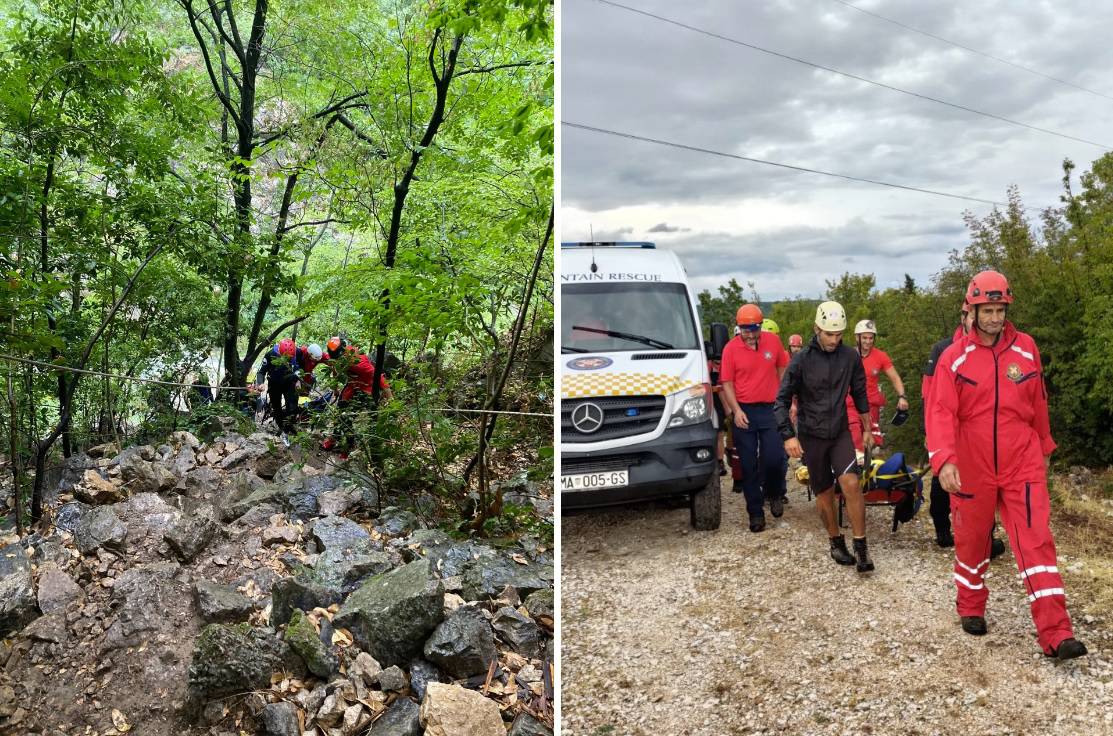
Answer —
707 350
720 336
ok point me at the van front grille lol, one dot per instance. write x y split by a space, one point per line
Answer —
623 416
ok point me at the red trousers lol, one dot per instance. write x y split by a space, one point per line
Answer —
1025 510
856 426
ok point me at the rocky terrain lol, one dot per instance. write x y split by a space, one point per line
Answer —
222 588
668 631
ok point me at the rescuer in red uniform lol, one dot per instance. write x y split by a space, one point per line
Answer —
989 440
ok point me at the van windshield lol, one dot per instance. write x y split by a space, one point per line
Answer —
608 317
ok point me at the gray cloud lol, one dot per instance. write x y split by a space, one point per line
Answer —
635 74
664 227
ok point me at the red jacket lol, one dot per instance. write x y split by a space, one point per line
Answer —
362 373
987 411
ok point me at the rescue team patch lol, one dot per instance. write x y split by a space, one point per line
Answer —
1013 372
592 363
621 384
768 355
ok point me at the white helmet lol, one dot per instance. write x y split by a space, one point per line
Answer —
315 351
737 330
865 325
830 317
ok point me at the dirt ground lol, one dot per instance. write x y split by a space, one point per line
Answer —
670 631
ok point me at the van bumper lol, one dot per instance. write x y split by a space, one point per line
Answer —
661 467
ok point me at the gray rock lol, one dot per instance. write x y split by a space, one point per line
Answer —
421 674
220 603
140 600
337 532
56 589
391 614
345 569
50 628
100 527
142 475
540 603
268 463
70 515
280 719
230 659
337 502
73 470
400 719
183 462
201 481
182 437
448 557
244 497
108 449
150 511
527 725
193 531
17 592
392 679
487 576
296 592
302 499
306 643
287 473
396 522
520 632
462 644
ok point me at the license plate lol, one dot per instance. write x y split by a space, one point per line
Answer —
594 481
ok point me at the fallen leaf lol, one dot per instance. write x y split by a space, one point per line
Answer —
520 559
342 636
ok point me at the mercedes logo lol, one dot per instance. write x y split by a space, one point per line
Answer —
587 417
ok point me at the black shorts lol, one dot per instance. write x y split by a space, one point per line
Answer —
828 459
721 413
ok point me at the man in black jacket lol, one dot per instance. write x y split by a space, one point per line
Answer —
819 378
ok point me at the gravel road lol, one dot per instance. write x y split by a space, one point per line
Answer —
669 631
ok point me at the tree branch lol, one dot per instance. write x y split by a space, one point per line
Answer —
326 221
495 67
187 5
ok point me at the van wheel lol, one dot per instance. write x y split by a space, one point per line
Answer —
706 506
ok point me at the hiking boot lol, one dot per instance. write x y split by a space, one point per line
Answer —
974 625
757 523
736 486
865 564
839 552
777 506
945 539
723 468
996 548
1069 649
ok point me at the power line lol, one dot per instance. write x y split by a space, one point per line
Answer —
847 177
798 60
972 50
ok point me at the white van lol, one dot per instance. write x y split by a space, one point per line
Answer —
636 418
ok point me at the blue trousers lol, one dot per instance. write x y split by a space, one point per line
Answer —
761 453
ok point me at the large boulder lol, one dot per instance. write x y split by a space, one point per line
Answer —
143 475
230 659
337 532
450 710
140 600
306 642
270 461
527 725
395 522
148 513
100 527
73 470
69 515
487 576
56 589
520 632
18 606
297 592
462 645
392 614
97 490
447 556
200 482
400 719
193 532
220 603
183 461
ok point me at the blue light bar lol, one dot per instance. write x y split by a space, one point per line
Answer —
612 244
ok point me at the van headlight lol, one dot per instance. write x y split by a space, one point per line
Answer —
695 406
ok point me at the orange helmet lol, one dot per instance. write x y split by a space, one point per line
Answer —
749 314
989 287
795 341
335 345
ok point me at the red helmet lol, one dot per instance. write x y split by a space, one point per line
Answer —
795 341
287 347
989 287
749 314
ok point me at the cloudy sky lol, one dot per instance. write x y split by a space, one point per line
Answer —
789 231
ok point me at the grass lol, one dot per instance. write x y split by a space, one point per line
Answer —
1082 520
